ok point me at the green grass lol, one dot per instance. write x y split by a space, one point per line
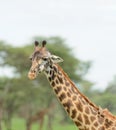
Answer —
19 124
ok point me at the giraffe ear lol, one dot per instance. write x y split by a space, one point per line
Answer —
56 59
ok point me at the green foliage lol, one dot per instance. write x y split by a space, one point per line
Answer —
19 91
106 99
111 88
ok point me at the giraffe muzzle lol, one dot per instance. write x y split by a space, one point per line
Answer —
32 74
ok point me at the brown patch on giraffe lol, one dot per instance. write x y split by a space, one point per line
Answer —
101 128
92 118
57 89
73 113
55 69
60 80
80 118
87 110
74 98
53 84
50 79
51 67
100 120
50 73
68 94
93 128
108 123
68 110
96 124
53 75
65 89
62 96
114 128
86 128
60 99
67 83
79 106
77 123
57 82
87 121
68 104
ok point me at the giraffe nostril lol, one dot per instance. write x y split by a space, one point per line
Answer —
31 75
34 71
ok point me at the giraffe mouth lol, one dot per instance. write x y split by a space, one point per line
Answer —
32 75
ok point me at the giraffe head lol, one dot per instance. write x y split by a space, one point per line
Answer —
41 58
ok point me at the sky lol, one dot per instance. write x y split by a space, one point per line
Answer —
89 27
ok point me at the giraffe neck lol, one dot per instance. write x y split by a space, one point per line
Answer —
82 111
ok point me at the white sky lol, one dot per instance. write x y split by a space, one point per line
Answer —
89 26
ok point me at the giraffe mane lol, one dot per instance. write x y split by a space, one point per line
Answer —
106 112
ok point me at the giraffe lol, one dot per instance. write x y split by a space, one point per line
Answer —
84 113
40 117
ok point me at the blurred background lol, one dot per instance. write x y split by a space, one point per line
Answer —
82 32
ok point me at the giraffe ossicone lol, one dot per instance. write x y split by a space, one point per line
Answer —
85 114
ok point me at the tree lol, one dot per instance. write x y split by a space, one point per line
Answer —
20 90
106 98
111 88
111 91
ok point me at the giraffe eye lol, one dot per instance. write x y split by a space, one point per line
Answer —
30 58
44 58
